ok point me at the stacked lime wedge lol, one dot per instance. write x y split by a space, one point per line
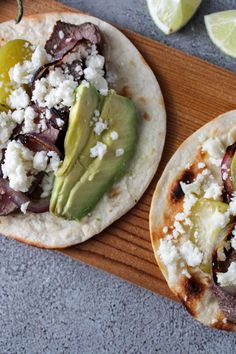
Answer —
171 15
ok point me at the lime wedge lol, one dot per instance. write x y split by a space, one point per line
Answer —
221 27
171 15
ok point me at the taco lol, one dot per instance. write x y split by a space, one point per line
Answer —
82 128
193 219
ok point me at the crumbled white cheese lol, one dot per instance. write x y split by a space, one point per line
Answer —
96 113
175 233
222 220
40 161
18 115
47 184
180 217
195 186
120 152
24 207
100 126
233 239
168 252
18 99
225 176
165 229
23 73
61 34
54 161
94 72
229 277
189 202
60 122
17 164
214 191
86 84
48 114
56 90
98 150
29 124
201 165
186 273
232 205
191 254
7 126
178 227
215 150
42 124
40 57
114 135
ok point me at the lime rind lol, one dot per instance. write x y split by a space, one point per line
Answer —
221 28
171 15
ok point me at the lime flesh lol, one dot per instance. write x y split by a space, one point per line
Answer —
221 28
171 15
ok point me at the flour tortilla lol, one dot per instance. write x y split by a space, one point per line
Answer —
194 293
131 76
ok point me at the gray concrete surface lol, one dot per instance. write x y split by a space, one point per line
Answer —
52 304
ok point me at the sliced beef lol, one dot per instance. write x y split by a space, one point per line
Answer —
65 37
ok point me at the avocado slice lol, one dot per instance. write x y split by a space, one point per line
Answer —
95 176
62 187
64 183
87 100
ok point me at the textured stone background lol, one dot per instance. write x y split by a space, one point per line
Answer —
52 304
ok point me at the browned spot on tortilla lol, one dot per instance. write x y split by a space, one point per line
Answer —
155 235
126 91
114 192
228 326
146 116
142 99
193 290
176 192
131 62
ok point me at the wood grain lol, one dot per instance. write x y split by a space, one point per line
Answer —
194 92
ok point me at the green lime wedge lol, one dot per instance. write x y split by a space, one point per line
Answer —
221 27
171 15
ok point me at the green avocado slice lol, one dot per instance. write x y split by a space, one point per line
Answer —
120 114
87 100
76 193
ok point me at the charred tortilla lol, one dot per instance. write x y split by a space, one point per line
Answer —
195 260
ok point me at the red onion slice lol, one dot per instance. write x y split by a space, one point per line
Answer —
37 142
226 295
19 198
226 169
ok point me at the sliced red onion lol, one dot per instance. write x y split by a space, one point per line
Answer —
19 198
6 204
226 168
35 142
226 295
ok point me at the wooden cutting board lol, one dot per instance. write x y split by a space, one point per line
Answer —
194 92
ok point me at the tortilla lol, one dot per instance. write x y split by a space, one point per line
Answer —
132 77
195 292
